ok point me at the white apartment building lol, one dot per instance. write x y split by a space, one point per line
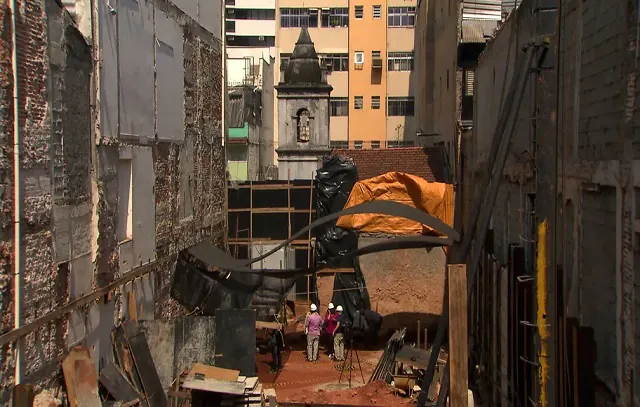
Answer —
250 29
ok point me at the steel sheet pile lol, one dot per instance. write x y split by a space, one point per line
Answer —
386 364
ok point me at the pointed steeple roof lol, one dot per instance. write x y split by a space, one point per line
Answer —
303 65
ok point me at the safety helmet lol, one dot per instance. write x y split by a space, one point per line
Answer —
331 306
313 307
339 308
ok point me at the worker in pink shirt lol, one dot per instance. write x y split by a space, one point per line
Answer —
312 328
329 327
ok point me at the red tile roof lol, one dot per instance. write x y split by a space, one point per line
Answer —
428 163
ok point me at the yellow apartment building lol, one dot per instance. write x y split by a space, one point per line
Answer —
367 50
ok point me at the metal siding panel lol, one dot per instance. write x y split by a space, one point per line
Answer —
210 16
170 78
144 214
136 67
108 71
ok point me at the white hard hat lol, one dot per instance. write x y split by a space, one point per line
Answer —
313 307
339 308
331 306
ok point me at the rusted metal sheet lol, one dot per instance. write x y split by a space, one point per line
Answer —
141 355
114 380
68 369
23 395
86 384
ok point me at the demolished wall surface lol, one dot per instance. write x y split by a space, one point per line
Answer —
404 285
129 181
590 116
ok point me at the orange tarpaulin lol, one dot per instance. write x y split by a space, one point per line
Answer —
434 198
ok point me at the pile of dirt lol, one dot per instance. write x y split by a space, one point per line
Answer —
373 394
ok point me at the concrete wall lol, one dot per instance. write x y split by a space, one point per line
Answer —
595 237
143 180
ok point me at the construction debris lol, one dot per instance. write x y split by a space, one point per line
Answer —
385 368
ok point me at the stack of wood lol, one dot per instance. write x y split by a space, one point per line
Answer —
132 379
211 385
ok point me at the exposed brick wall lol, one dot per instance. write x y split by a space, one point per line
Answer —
59 161
427 163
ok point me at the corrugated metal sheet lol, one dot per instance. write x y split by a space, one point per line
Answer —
482 10
244 105
509 5
236 108
477 31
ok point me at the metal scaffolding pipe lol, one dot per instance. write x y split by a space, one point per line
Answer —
18 276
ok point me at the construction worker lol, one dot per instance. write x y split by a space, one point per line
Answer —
338 335
312 328
275 341
329 326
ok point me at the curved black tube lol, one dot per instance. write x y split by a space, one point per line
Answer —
405 242
390 208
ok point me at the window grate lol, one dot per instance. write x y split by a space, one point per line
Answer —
400 106
400 61
375 102
402 16
359 12
358 102
377 12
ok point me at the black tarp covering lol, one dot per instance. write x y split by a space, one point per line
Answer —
334 182
203 291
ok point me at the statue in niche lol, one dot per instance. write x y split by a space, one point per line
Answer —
304 125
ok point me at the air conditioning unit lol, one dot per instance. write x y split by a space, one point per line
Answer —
359 58
261 38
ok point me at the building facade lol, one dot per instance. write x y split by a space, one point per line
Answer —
250 30
119 165
367 50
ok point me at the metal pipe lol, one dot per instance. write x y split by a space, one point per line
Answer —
17 198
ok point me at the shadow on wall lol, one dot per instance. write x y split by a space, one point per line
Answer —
410 320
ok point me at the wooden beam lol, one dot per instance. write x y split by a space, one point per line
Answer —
282 209
458 340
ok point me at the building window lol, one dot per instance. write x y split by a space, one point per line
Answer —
230 2
399 143
251 40
335 62
358 59
230 26
339 144
284 61
375 102
358 102
375 144
251 14
400 106
400 61
402 16
377 12
297 18
335 17
359 12
339 106
357 144
468 82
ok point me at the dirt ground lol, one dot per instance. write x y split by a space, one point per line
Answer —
303 381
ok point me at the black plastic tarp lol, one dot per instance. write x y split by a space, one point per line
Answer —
335 180
203 291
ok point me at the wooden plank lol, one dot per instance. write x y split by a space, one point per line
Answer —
124 358
23 395
69 371
141 354
250 383
213 385
114 380
267 325
458 338
132 305
86 383
212 372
